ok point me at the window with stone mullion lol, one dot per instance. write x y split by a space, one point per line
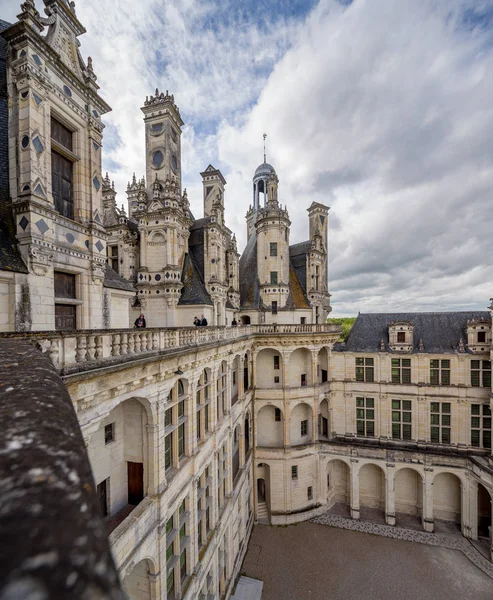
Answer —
440 422
365 417
401 370
401 419
365 369
440 372
480 373
481 425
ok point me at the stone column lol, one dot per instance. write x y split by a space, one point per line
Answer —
314 354
390 495
286 423
155 585
466 510
473 508
354 489
152 459
427 518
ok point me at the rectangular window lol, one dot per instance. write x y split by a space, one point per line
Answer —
274 307
276 379
168 452
480 373
64 285
481 425
169 552
169 525
481 336
294 472
103 498
182 531
401 419
277 412
199 425
302 320
109 433
440 422
365 416
276 362
168 415
181 440
303 380
62 170
364 369
273 248
65 314
181 408
309 493
440 372
112 252
183 564
401 370
273 277
401 337
170 583
304 427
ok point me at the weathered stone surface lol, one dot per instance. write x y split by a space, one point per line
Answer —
54 542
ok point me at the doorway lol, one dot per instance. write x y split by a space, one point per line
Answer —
135 483
261 490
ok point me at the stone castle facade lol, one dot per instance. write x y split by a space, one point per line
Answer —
194 434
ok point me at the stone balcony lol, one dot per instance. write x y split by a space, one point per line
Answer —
85 350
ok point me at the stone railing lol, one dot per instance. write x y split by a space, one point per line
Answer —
72 351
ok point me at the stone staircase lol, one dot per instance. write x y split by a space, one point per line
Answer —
262 513
248 589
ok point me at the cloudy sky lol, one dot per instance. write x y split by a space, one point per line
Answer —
381 109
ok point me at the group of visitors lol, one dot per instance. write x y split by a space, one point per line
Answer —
140 322
202 322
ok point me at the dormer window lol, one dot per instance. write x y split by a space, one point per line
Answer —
478 335
401 336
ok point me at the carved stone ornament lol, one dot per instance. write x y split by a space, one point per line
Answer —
41 259
461 347
98 270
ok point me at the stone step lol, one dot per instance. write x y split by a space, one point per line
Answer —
248 589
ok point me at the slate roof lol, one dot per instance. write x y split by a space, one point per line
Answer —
10 258
296 293
440 331
297 258
114 281
249 284
194 291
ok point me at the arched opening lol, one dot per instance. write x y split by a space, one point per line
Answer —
263 493
372 493
339 488
322 366
270 427
246 372
300 368
447 504
235 370
221 391
268 373
300 430
245 320
484 513
119 456
236 451
408 498
137 584
203 405
247 436
323 420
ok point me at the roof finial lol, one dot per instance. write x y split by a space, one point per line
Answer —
265 160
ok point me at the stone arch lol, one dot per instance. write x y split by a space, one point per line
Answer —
484 512
372 491
339 486
245 320
269 368
121 455
409 498
323 420
322 365
300 368
235 379
447 500
263 492
300 429
157 237
236 450
269 427
137 583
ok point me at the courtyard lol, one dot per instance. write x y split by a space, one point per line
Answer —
309 561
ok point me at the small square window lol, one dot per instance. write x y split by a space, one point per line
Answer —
481 336
401 337
109 433
276 379
294 472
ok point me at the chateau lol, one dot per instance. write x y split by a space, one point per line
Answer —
196 433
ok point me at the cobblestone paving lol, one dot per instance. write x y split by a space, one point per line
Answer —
452 542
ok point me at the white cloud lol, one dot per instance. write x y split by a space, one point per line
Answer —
381 109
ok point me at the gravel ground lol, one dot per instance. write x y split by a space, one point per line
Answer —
317 562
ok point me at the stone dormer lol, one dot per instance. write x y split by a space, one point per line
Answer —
401 336
478 335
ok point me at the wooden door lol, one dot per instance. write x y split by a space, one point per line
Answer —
135 482
65 316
